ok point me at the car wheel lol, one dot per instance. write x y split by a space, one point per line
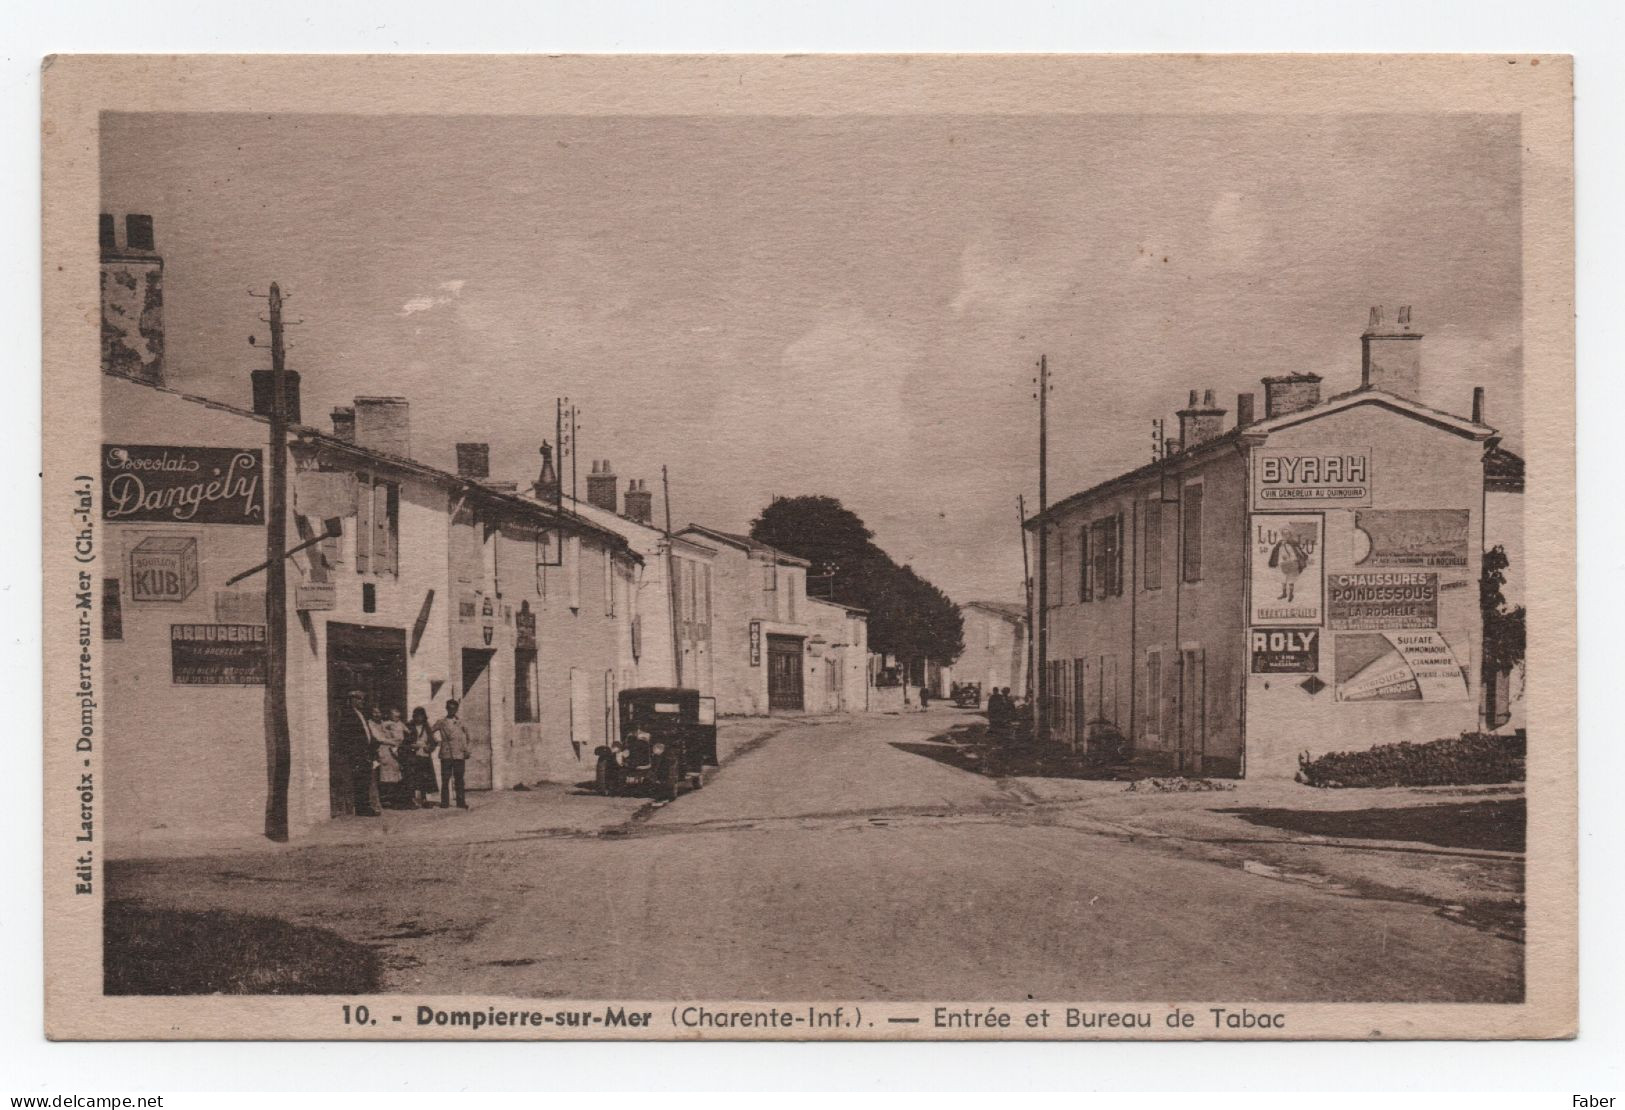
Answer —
604 778
670 781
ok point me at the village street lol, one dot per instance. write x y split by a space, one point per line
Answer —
849 858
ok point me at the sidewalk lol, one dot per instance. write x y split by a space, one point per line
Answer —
543 809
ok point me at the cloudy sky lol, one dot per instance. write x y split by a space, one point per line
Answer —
849 305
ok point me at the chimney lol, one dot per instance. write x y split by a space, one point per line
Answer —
601 490
1478 404
474 460
132 279
384 424
640 503
1290 393
1244 409
1199 421
1391 355
547 486
344 423
265 392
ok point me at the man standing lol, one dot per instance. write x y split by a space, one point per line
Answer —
454 748
355 744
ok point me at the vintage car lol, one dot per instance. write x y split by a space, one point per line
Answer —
967 695
667 735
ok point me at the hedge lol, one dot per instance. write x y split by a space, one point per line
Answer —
1471 758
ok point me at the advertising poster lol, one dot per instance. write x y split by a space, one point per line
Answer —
1383 601
1287 569
1284 650
1398 666
217 654
190 485
1286 478
1410 537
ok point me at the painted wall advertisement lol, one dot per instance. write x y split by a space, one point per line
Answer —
1399 599
188 485
217 654
1284 650
1286 478
1287 569
1410 537
1398 666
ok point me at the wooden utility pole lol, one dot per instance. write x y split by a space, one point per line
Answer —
1027 587
671 583
1041 664
277 746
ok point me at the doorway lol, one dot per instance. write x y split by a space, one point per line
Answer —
785 691
372 660
475 711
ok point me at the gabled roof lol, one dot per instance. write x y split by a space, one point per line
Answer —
1009 610
745 543
314 437
838 605
1258 431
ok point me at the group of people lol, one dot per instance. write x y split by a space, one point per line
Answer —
392 761
1002 711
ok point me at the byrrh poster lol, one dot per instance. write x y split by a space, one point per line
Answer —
1288 570
417 387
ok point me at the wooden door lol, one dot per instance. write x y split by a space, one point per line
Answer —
475 711
372 660
784 674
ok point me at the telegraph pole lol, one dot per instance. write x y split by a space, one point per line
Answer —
277 746
671 582
1041 665
1027 587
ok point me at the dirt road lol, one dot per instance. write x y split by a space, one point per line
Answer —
840 860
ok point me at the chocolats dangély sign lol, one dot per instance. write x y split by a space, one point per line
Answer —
1300 478
1411 537
188 485
1401 599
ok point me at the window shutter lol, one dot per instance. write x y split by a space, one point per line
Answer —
1118 570
1153 544
393 527
1193 533
1085 586
363 524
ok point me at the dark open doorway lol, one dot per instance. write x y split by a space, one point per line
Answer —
372 660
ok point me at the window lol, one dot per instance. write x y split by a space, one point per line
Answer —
1153 696
112 609
1151 573
1191 532
1086 581
524 686
770 573
377 525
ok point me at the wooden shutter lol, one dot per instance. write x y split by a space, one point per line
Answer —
1153 544
1191 540
363 524
1117 570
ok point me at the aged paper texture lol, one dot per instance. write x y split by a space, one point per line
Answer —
1066 547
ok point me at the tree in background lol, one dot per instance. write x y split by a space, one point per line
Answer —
908 616
1504 629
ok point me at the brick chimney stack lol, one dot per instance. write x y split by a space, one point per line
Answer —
640 503
1290 393
1244 409
1391 354
1199 421
601 492
1479 411
344 423
132 278
474 461
384 424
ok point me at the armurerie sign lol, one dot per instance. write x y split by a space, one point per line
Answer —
1287 478
217 654
182 485
1401 599
1287 565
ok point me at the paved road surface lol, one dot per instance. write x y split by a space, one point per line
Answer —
836 861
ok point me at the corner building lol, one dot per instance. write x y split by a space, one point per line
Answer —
1300 583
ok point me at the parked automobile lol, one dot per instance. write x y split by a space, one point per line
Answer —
967 695
667 734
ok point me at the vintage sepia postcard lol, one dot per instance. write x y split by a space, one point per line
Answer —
1068 547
